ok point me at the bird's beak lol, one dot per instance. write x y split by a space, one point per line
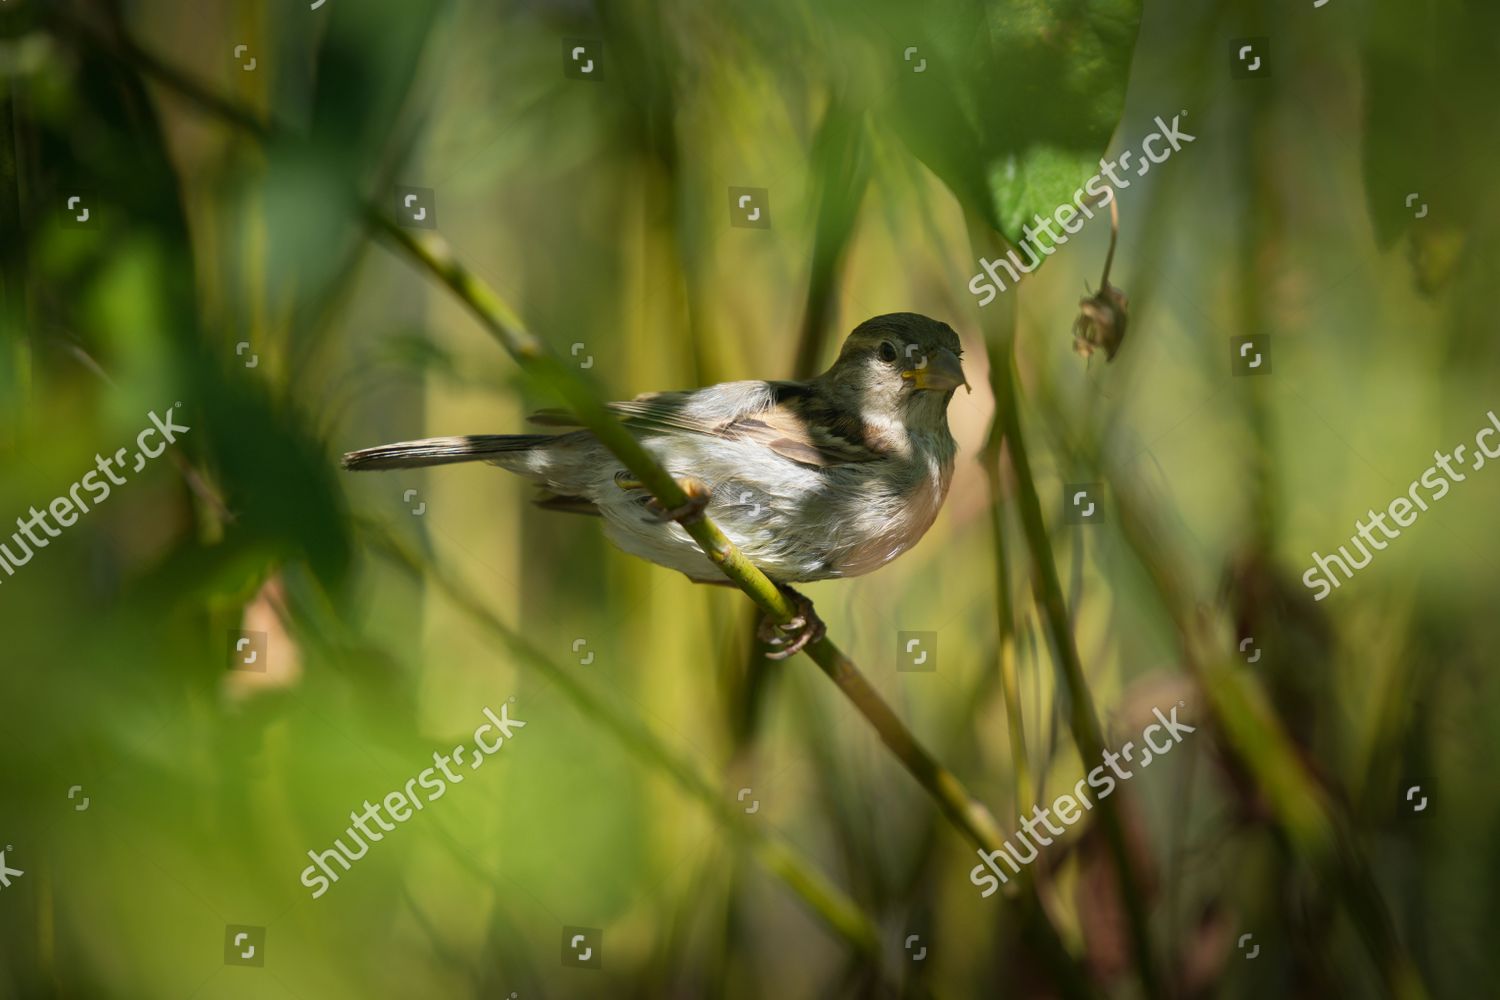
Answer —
941 372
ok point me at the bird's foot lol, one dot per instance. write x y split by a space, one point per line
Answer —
790 639
698 495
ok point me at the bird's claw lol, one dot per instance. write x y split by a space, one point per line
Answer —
698 496
791 638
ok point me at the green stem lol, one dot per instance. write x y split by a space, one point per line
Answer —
1255 739
1005 612
1048 593
432 252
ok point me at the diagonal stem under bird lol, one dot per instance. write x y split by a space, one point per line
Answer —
970 816
433 253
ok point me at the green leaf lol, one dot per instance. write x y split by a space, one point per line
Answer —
1054 101
1018 101
1036 182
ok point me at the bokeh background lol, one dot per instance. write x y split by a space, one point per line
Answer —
229 207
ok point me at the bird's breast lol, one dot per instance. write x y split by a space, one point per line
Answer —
896 516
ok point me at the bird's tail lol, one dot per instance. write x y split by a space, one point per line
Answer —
443 451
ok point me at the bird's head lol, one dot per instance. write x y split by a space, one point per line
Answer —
901 365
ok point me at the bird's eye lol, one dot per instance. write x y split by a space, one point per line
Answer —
887 351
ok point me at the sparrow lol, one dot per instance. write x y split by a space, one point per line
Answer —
830 477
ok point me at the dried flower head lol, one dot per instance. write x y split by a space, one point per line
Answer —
1101 322
1103 315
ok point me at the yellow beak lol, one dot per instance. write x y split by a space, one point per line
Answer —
942 371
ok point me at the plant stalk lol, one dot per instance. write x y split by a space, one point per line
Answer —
1048 593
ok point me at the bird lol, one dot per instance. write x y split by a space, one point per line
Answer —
825 478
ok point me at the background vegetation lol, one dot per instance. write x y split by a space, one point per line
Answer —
254 206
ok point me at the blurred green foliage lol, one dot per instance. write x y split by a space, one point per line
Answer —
226 210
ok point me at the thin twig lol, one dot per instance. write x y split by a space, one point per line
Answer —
1305 812
1114 235
1048 593
952 798
1005 611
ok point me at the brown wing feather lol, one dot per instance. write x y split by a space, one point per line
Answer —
656 411
797 426
788 432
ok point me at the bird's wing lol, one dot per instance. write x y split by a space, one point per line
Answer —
782 416
703 411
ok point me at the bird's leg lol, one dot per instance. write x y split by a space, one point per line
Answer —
790 639
698 495
697 492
